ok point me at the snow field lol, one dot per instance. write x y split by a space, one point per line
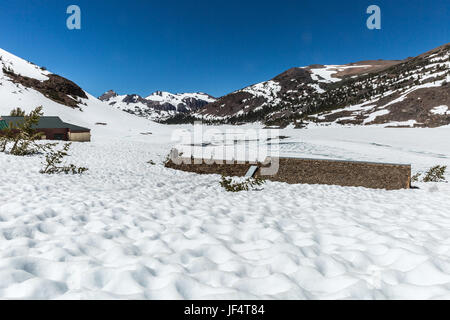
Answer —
128 229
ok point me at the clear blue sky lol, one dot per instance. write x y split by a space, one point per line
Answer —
211 46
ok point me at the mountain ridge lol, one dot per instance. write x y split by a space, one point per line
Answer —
413 92
359 93
158 106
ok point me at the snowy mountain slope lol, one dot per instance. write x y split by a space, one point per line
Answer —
180 99
25 85
159 105
364 93
22 67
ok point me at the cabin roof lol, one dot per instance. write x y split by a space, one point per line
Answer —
44 123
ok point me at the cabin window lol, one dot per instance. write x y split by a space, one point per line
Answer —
58 136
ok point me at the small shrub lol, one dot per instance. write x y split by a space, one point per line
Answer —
230 185
435 174
54 159
416 177
151 162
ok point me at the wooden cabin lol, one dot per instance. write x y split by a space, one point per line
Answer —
52 128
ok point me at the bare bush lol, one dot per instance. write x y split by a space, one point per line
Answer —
416 177
54 159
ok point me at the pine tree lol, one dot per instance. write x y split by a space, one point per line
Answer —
17 113
25 136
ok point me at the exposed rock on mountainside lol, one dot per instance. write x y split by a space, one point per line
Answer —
56 88
404 93
25 85
108 95
159 105
387 92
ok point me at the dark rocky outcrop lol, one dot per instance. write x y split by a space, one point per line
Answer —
108 95
56 88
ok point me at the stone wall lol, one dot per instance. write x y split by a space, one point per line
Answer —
314 171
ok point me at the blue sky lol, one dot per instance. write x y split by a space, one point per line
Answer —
211 46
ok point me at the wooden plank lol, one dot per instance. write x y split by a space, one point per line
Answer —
251 172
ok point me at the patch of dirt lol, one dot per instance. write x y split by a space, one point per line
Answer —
374 66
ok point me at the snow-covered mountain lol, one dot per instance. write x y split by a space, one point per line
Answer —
410 92
159 105
25 85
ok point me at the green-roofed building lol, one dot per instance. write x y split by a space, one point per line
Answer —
52 128
3 124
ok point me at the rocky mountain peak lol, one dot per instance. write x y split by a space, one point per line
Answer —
108 95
